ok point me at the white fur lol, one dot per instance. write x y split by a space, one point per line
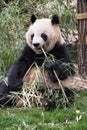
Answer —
38 39
44 26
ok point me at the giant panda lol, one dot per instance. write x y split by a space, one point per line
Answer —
43 39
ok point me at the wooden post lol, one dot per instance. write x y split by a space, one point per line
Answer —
82 36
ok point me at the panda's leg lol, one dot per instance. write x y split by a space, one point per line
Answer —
66 98
4 89
60 98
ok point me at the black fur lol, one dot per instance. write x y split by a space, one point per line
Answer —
19 68
60 64
3 88
44 36
55 20
59 69
33 18
32 35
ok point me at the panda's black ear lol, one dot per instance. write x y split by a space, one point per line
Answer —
33 18
55 20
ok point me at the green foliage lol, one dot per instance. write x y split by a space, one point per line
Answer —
38 119
66 13
73 53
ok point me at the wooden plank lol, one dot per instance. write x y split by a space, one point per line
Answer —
81 16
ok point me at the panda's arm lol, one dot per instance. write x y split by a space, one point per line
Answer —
19 68
62 64
67 68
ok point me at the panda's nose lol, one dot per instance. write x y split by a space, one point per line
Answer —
36 44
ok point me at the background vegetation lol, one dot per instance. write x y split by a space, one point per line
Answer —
14 22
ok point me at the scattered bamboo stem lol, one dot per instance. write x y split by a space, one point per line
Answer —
59 82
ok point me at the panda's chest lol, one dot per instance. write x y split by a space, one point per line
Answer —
39 59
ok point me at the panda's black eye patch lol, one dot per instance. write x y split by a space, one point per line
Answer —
44 36
32 35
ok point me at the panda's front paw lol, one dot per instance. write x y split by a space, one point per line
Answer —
48 105
51 67
52 76
4 89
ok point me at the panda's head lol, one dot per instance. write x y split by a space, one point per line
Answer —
44 33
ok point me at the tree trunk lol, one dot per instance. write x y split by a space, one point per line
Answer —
82 35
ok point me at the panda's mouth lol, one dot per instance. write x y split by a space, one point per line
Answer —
38 50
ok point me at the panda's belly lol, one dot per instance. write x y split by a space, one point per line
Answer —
35 75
